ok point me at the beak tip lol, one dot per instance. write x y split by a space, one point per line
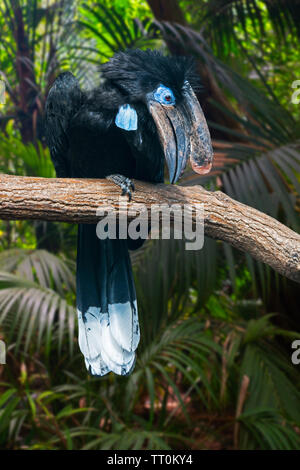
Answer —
201 169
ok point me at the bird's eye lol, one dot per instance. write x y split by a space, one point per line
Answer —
164 95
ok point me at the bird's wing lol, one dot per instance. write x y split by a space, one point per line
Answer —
64 99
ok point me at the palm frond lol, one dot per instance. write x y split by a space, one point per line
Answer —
110 32
267 416
124 438
25 159
183 345
33 304
220 18
39 266
265 428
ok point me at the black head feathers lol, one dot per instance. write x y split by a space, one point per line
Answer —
135 73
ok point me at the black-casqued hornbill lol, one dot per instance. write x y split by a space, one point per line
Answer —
144 113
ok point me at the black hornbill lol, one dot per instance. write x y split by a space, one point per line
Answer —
144 112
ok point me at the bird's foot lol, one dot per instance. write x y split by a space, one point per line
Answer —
125 184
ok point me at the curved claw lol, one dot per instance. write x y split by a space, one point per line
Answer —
126 190
124 183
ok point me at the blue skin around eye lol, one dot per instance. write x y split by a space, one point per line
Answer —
161 93
127 118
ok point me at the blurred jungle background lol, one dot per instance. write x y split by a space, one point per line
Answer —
214 367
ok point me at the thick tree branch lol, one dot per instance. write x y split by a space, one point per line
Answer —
76 200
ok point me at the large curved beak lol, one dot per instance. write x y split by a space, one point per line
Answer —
183 133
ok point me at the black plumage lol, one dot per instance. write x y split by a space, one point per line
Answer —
85 142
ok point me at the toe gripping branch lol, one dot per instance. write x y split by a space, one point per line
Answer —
124 183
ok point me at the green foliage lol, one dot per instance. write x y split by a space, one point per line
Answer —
33 299
27 160
186 357
110 31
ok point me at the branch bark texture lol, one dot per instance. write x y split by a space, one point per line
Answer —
76 201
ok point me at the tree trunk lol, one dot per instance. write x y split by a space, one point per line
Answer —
26 77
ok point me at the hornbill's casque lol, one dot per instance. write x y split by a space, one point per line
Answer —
145 112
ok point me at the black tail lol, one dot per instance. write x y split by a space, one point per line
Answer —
106 303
